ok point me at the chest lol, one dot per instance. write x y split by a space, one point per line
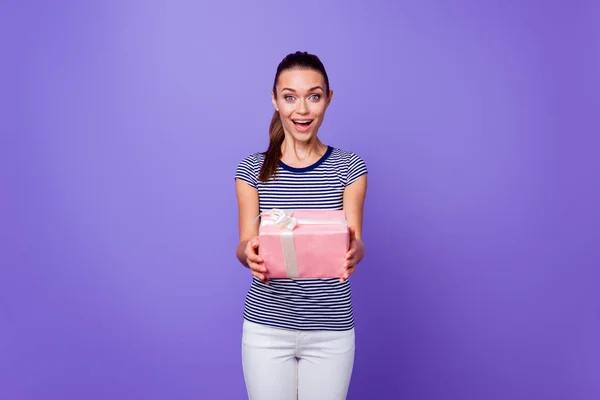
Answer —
322 188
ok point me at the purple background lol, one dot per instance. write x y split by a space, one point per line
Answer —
124 121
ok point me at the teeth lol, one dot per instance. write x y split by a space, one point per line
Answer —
302 122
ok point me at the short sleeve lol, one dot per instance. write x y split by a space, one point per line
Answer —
247 171
356 168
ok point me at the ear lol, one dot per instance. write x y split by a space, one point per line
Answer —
329 97
274 101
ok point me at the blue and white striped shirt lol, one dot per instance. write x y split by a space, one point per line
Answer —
303 304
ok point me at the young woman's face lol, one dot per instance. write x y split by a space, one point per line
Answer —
301 101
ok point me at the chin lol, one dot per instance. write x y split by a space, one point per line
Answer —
302 137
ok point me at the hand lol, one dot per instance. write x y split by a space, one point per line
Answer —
354 255
254 261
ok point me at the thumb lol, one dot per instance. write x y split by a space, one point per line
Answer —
352 233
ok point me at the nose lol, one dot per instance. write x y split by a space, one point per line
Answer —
302 109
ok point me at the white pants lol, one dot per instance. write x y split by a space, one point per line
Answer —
281 364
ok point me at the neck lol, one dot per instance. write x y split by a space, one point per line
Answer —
294 152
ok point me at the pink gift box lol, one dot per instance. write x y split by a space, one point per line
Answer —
304 243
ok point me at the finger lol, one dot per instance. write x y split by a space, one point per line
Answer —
257 267
264 280
350 253
346 274
251 252
254 258
260 277
351 261
349 272
257 275
252 245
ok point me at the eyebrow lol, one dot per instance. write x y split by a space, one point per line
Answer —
310 90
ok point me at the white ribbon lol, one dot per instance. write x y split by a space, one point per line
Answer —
279 217
288 224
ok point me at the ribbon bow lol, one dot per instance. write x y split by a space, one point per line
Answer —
279 217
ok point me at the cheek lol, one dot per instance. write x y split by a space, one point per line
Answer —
286 108
318 109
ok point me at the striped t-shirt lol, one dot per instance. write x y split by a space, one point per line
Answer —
303 304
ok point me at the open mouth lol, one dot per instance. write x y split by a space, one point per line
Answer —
302 124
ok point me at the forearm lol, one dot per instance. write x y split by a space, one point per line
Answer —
240 253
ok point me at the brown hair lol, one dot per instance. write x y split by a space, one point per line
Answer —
300 60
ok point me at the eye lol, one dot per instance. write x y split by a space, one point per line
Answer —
315 97
289 98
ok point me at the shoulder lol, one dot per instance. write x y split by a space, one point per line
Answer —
253 159
353 165
248 168
346 157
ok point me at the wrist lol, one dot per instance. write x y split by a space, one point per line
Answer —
361 247
240 253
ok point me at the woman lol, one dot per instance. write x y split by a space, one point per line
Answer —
298 334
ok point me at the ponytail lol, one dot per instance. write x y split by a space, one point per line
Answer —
273 153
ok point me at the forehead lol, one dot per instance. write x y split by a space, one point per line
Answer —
300 79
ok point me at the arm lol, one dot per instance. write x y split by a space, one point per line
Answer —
248 210
354 200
